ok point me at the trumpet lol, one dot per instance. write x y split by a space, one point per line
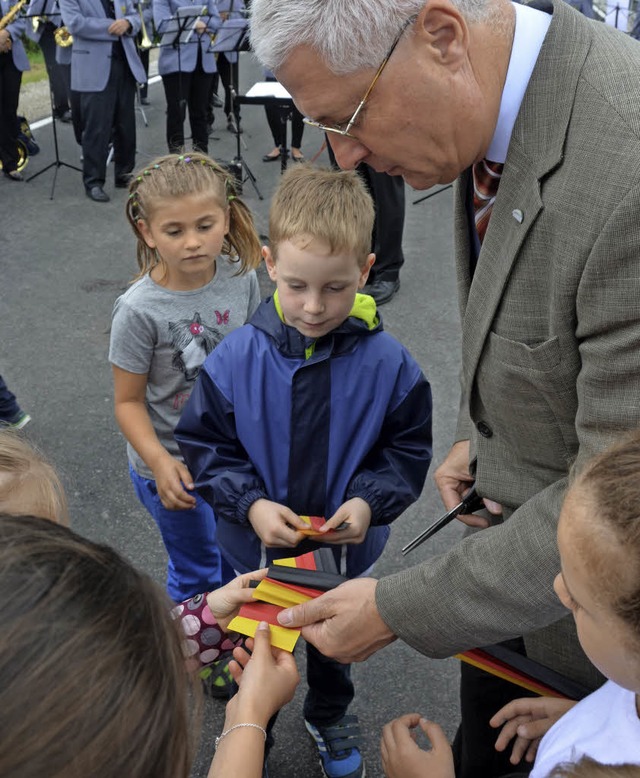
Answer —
62 37
145 42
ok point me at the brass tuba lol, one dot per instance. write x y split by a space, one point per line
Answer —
62 37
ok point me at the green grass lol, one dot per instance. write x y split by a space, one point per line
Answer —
38 70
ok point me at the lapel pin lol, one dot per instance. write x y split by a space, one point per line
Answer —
517 215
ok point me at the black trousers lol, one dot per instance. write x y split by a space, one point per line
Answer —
144 58
277 118
106 115
482 695
228 72
388 196
58 74
192 90
10 80
386 242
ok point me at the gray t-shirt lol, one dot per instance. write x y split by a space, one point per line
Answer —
167 335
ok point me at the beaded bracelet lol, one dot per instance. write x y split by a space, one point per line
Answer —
237 726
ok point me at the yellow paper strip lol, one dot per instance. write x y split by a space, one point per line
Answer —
281 637
268 591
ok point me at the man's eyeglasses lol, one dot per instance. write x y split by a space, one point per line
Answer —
345 132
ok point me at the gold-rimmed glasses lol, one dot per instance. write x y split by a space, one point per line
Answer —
345 132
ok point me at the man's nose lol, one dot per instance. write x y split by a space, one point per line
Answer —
349 152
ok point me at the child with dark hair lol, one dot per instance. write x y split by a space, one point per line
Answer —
599 582
92 673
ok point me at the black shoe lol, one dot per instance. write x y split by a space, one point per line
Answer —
122 182
382 291
269 158
98 194
13 175
216 102
65 116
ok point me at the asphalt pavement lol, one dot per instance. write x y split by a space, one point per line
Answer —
64 260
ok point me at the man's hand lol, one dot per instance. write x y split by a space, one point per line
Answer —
527 720
172 479
454 480
200 27
226 601
343 623
403 758
357 513
5 41
276 525
119 27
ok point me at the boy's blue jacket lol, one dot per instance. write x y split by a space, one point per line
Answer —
308 424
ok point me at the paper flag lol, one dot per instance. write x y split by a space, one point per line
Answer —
252 613
524 672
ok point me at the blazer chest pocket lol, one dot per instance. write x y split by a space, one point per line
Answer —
541 358
529 393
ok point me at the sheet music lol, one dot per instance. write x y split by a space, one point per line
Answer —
268 89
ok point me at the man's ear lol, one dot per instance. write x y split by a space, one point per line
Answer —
444 28
270 263
145 233
366 269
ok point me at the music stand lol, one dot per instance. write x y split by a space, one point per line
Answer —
238 163
230 38
57 162
271 93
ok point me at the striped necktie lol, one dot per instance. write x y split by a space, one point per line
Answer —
486 178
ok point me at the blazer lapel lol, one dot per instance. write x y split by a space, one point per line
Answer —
535 149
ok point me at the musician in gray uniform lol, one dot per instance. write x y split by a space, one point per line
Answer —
41 27
105 67
13 61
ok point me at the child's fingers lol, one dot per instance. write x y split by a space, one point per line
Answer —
241 656
435 734
236 670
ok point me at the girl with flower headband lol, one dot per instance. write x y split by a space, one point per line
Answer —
197 253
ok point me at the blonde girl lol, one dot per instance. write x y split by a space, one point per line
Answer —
29 485
197 253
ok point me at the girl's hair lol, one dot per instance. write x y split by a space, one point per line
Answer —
589 768
92 677
332 206
28 483
179 175
609 486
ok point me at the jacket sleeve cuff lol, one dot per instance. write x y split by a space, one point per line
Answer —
245 502
371 497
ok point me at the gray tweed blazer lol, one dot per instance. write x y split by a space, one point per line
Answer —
550 345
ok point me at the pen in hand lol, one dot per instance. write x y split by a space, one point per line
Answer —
470 502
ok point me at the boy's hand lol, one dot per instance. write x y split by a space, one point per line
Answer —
225 602
170 475
403 758
276 525
267 679
357 513
527 720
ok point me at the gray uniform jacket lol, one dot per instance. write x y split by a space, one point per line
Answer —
550 343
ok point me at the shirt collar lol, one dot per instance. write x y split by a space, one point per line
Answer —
530 31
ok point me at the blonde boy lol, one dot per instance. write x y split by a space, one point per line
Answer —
312 409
